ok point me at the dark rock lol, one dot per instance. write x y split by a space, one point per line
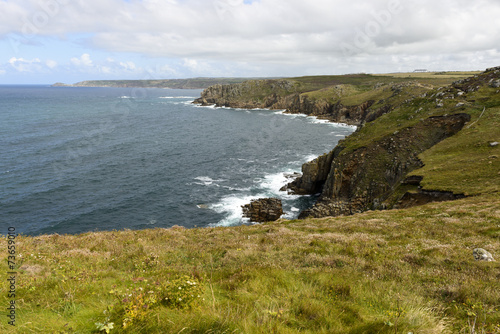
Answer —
425 196
263 210
292 177
314 174
413 180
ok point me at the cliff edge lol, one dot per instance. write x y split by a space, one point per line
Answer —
352 99
417 140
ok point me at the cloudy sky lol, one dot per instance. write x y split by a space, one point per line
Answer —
47 41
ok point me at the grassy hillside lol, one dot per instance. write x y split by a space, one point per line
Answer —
367 81
397 271
463 164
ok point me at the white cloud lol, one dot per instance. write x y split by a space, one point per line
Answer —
298 32
128 65
265 37
84 60
51 63
191 64
25 65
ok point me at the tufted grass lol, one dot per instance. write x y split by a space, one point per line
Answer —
394 271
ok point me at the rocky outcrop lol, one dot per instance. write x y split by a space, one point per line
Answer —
364 178
314 174
422 197
263 210
481 254
249 94
334 112
489 77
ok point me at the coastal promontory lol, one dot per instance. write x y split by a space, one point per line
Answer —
404 123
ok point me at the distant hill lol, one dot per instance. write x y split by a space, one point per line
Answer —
192 83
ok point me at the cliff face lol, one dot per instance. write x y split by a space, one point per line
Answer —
249 94
364 178
286 94
314 174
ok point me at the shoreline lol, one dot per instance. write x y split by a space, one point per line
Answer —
278 193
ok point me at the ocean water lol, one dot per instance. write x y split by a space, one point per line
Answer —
74 160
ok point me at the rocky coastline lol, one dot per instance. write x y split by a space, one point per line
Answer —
284 95
366 171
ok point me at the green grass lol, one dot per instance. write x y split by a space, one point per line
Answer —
376 272
466 163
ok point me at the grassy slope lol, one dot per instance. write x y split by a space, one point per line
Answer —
367 81
463 164
395 271
378 272
350 89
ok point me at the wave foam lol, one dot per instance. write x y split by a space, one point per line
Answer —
206 181
231 207
177 97
212 106
284 113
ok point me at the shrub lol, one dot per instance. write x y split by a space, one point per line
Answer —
183 292
134 304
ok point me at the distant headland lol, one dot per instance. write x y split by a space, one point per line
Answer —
191 83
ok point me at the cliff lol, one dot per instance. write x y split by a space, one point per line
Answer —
380 165
351 99
295 96
365 177
377 169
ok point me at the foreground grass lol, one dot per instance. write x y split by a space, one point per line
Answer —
378 272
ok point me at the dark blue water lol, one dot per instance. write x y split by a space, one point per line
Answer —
84 159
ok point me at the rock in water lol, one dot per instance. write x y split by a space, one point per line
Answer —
263 210
482 255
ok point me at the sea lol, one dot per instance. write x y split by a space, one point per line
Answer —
82 159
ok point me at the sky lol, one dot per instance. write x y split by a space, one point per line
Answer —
48 41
